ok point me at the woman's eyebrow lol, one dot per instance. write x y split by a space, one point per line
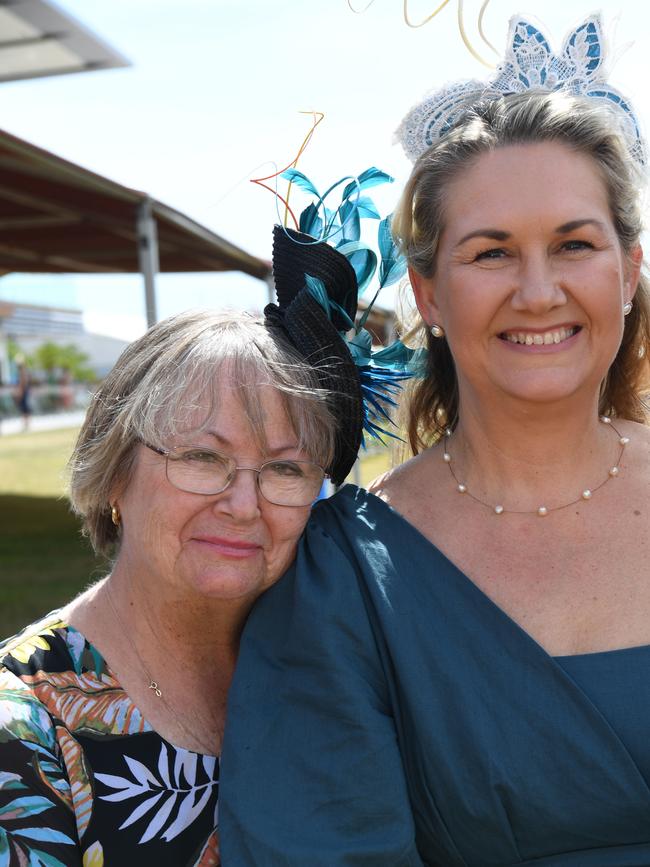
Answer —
572 225
221 439
493 234
501 235
275 449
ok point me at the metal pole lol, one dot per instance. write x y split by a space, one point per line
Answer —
270 288
148 256
4 360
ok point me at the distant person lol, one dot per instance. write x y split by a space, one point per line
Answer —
23 394
67 391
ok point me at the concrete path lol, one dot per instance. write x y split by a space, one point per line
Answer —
42 422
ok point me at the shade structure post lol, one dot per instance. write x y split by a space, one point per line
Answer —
270 288
148 256
4 360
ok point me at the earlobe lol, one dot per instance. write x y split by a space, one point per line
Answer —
423 291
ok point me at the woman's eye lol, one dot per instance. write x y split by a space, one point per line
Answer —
203 456
492 253
576 245
286 469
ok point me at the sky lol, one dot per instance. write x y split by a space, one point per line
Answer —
214 98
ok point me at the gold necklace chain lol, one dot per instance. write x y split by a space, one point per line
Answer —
153 684
542 510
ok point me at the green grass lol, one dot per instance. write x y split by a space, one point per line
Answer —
34 463
43 559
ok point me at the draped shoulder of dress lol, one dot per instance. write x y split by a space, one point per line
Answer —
386 713
84 779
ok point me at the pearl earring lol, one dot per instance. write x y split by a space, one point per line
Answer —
627 308
437 330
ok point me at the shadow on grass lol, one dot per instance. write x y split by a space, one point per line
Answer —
44 561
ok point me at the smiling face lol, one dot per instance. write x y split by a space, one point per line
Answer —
231 545
530 277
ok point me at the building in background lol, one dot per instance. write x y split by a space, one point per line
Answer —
25 327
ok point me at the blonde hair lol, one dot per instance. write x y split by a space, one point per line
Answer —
418 223
165 380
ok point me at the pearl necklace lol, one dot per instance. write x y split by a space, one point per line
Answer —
541 511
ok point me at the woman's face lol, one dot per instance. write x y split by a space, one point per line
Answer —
231 545
530 277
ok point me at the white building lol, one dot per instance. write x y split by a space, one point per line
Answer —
29 326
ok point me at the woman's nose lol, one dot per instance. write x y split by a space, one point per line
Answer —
539 288
241 499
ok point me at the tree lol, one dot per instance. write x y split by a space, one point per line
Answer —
56 361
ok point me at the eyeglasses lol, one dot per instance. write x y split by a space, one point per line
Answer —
197 470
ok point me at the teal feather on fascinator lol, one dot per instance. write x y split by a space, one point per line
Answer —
381 372
328 264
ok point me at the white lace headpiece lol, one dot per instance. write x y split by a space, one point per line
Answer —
528 64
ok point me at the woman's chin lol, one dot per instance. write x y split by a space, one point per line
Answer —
549 386
227 584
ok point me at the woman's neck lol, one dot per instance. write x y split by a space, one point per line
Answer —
188 647
533 455
171 624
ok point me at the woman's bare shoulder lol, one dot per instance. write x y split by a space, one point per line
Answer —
402 480
640 432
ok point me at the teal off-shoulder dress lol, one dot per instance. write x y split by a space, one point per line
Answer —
386 713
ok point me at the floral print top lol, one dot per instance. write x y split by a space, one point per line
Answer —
84 779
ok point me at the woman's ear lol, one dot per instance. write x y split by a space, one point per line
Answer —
425 296
633 271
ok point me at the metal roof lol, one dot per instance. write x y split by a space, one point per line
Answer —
56 216
37 39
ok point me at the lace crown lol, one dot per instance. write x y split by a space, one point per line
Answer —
528 64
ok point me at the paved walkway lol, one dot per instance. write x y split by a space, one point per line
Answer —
43 422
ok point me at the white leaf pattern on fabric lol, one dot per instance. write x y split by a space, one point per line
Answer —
163 766
76 644
159 819
178 765
189 769
159 791
114 782
125 794
187 813
141 772
141 809
209 764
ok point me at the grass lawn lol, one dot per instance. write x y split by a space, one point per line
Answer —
43 559
373 464
34 463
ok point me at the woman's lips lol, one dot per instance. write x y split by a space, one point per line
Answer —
235 548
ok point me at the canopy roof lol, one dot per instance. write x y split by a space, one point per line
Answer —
37 38
56 216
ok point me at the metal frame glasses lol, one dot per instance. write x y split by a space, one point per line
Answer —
200 470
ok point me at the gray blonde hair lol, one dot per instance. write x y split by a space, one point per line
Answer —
419 220
165 380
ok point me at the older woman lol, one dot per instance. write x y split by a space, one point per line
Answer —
196 468
455 672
